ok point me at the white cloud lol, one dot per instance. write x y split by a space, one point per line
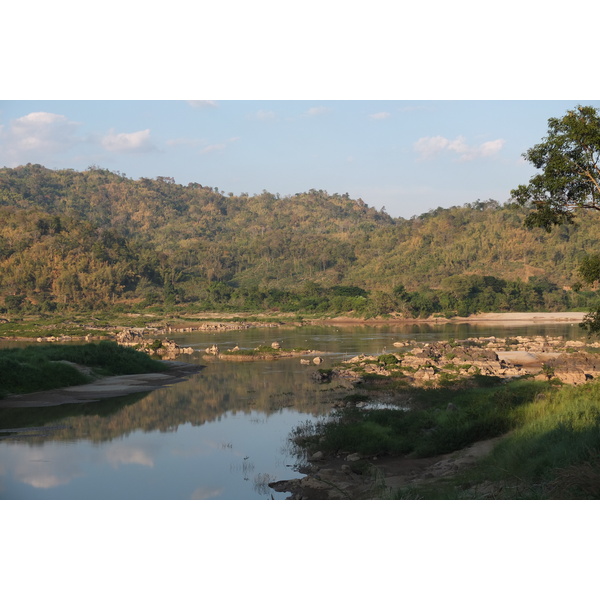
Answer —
428 147
265 115
218 147
123 455
213 148
205 493
138 141
316 111
203 103
36 136
380 115
489 148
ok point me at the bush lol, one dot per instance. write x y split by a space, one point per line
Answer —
36 368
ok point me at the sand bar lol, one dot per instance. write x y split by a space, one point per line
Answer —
107 387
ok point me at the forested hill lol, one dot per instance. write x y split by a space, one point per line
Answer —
89 239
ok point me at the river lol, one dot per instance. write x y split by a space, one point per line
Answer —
222 434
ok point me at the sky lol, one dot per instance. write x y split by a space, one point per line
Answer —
408 108
407 156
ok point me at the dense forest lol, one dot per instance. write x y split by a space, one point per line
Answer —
91 240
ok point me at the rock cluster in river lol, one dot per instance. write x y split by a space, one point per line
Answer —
135 338
439 362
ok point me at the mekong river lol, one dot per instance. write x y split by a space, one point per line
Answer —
222 434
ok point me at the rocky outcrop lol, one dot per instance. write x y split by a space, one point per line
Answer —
436 363
573 368
135 338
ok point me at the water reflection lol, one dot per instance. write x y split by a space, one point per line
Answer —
221 434
220 388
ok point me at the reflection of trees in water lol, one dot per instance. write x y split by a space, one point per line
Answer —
220 388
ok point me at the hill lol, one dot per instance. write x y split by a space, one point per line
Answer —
91 239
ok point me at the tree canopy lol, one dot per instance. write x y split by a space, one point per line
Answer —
95 240
569 159
569 181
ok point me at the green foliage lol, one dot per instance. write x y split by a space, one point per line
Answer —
431 428
36 368
559 429
569 181
591 321
388 359
590 268
14 303
96 240
570 178
24 372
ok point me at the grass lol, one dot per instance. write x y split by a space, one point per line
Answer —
430 428
556 445
37 368
550 446
34 329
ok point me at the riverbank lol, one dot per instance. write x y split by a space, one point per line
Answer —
105 387
422 420
148 325
500 319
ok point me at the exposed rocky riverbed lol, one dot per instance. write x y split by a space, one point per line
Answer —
351 476
436 363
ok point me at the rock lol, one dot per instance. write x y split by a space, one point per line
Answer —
353 457
317 456
275 346
130 336
321 377
304 361
317 360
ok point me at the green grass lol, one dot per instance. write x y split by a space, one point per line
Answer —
430 428
557 437
550 446
36 368
35 329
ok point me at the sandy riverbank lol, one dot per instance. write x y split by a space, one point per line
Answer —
500 319
107 387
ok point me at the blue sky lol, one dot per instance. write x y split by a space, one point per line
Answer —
407 156
409 107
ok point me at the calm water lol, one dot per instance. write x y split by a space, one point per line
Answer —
221 434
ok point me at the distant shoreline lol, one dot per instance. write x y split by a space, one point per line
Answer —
496 318
214 322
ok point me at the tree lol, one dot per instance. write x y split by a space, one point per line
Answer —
569 182
569 158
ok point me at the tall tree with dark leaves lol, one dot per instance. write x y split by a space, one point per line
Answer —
568 183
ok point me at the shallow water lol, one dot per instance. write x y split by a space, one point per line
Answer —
221 434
